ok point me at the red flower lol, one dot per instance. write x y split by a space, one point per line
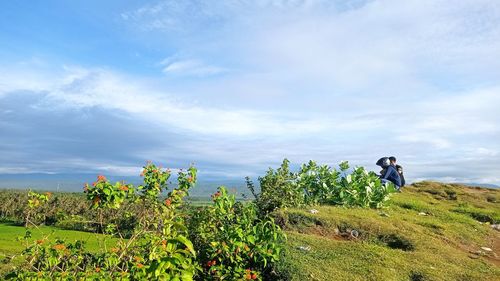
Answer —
101 178
217 194
168 202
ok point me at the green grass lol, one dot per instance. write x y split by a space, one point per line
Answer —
398 242
11 246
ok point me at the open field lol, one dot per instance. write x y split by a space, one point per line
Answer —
11 246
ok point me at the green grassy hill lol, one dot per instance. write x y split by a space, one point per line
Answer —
430 231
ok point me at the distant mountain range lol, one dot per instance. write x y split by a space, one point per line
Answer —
487 185
75 183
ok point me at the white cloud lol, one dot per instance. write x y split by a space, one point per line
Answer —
327 80
83 88
190 67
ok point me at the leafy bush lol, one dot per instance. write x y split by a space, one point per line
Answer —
279 189
158 247
232 242
315 184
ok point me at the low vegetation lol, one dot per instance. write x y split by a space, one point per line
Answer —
421 235
318 223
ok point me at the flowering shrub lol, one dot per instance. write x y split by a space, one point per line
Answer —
232 242
360 188
158 248
105 195
315 184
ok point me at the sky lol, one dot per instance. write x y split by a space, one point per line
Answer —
236 86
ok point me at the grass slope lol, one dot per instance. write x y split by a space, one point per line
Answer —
431 231
11 247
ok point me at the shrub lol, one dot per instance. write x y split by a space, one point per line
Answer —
279 189
157 249
232 242
316 184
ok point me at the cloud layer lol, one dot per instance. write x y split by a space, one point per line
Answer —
236 86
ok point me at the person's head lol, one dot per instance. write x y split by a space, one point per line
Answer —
393 160
383 162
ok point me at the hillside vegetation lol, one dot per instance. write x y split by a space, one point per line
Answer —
430 231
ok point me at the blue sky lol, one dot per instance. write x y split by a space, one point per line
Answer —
236 86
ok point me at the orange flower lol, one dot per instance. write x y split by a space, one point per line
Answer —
59 247
140 265
101 178
114 250
168 202
137 259
253 276
190 179
217 194
94 183
40 241
164 243
124 188
97 269
48 194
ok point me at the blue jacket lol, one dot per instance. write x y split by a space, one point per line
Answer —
392 175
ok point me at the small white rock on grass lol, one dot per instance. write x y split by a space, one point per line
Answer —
486 249
304 248
313 211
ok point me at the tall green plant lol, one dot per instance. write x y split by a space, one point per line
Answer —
233 243
320 184
279 189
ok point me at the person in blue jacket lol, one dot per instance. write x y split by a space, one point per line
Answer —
389 172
